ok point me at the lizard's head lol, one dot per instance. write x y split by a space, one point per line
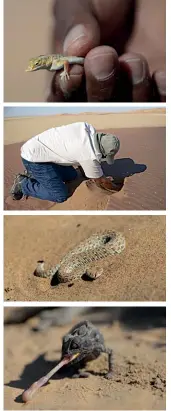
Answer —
81 341
38 63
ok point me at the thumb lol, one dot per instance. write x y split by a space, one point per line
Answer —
109 178
76 29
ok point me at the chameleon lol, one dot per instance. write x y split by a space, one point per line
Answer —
79 261
54 62
85 342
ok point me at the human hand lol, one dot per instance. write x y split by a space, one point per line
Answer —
82 27
105 183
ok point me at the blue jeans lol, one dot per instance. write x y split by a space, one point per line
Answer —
47 181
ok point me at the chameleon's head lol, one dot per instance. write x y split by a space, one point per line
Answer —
39 63
81 341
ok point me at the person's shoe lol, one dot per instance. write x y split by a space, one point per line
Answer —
16 189
27 174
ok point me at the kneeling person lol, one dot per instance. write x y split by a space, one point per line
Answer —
49 159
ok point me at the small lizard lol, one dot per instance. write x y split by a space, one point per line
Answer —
79 261
54 62
83 343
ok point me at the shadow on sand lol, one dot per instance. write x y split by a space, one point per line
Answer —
122 168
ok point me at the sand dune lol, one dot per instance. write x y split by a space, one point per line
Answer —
21 129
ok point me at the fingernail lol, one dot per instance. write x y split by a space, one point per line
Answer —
103 66
160 78
78 32
138 69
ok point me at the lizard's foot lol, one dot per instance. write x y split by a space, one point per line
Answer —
81 374
93 272
41 272
64 75
109 376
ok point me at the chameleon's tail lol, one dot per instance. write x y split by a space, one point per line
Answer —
41 272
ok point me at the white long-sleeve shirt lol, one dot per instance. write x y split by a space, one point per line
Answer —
73 144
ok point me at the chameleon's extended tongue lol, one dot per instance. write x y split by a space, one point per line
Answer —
28 394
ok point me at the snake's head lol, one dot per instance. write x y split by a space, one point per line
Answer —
39 63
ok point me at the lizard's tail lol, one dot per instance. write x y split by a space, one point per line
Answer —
41 272
76 60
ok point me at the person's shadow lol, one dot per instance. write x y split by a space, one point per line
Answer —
122 168
74 184
119 170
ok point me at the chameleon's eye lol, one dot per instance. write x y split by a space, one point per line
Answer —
82 330
74 345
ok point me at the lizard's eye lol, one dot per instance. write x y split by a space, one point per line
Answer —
82 330
106 239
74 346
36 63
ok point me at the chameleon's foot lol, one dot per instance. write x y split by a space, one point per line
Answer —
64 76
41 272
94 272
81 374
109 376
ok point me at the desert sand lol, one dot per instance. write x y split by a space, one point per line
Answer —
28 25
137 274
139 379
141 161
17 129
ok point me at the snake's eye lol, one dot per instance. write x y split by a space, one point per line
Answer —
74 345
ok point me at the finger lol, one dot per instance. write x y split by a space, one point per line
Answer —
110 178
101 71
77 30
70 90
135 82
159 86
